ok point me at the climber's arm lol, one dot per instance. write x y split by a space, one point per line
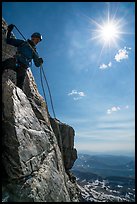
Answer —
10 40
38 61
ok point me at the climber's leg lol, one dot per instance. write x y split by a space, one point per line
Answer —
9 63
21 73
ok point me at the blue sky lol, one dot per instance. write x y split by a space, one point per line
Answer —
89 65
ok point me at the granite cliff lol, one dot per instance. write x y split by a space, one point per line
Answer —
34 169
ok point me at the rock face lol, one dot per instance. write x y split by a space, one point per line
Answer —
35 160
67 141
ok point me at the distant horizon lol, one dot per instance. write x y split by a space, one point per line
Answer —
108 153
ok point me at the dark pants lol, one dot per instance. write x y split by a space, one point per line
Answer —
19 68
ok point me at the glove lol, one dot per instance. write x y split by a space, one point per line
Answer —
10 27
40 60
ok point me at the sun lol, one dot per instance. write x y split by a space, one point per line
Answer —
106 32
109 32
108 29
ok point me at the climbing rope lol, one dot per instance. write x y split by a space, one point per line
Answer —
42 86
20 33
48 91
58 129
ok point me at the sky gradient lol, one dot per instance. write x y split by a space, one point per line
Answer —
92 81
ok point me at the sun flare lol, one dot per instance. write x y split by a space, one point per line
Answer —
109 32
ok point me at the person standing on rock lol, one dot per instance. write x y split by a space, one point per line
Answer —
26 51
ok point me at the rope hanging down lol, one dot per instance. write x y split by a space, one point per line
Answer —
58 129
49 92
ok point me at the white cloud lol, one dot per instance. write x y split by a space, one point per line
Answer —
104 66
122 54
108 111
81 93
110 64
72 92
113 109
77 94
116 108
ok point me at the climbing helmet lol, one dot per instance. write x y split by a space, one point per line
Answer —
37 35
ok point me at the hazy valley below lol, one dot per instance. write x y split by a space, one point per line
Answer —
105 177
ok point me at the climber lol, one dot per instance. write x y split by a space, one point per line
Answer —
26 51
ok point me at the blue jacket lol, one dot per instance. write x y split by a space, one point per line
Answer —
24 52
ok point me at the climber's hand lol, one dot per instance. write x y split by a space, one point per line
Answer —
40 61
10 27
